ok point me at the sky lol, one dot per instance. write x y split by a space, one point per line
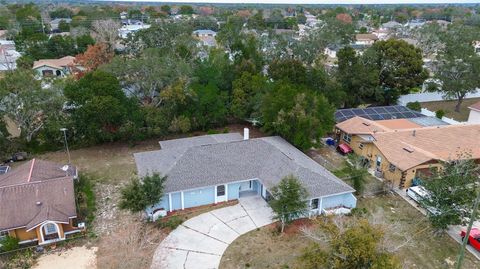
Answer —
314 1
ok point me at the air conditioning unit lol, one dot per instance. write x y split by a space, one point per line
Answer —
159 214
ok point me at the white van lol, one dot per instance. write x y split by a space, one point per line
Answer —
418 193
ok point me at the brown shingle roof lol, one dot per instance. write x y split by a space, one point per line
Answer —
366 37
409 148
398 124
56 63
35 192
358 125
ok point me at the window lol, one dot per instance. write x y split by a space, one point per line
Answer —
47 73
221 190
50 228
379 161
391 168
347 138
315 204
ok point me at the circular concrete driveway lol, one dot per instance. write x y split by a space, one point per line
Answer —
199 242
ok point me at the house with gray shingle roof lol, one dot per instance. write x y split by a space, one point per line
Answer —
217 168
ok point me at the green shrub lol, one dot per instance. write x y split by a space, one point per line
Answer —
212 131
415 106
9 243
440 113
139 194
85 197
20 260
226 130
170 222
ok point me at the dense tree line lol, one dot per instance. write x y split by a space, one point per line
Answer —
163 82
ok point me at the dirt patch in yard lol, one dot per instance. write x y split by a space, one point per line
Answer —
74 258
419 247
449 108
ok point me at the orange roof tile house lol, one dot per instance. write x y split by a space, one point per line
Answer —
400 150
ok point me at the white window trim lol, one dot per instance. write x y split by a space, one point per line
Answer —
50 241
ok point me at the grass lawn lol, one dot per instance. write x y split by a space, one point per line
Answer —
449 108
112 165
263 248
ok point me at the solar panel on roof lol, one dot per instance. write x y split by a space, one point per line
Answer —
409 115
377 113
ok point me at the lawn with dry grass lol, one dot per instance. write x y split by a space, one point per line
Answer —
449 107
124 240
265 248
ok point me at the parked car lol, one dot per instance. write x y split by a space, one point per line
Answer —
344 149
473 239
418 193
16 157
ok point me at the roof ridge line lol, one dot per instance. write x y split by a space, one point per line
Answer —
31 170
33 182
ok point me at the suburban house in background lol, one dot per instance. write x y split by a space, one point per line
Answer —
54 24
217 168
8 55
128 29
207 37
37 202
55 67
402 150
474 116
365 39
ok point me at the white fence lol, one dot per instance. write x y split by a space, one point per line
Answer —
429 97
429 113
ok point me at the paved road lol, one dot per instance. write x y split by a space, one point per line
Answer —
199 242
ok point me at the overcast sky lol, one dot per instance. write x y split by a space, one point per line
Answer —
315 1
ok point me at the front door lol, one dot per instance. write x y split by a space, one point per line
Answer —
246 186
221 193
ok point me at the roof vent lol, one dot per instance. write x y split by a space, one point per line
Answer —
414 132
38 203
407 149
366 124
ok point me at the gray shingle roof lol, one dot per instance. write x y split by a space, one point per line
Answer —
268 159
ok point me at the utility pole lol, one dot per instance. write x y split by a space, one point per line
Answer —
469 228
64 130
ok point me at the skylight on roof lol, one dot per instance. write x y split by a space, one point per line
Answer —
407 149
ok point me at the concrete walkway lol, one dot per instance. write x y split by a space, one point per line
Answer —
200 241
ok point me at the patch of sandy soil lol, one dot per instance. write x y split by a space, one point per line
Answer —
74 258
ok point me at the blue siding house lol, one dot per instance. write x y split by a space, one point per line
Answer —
217 168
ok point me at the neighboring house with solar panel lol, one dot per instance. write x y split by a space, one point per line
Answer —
37 203
217 168
400 150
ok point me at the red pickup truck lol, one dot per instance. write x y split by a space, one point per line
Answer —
473 239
